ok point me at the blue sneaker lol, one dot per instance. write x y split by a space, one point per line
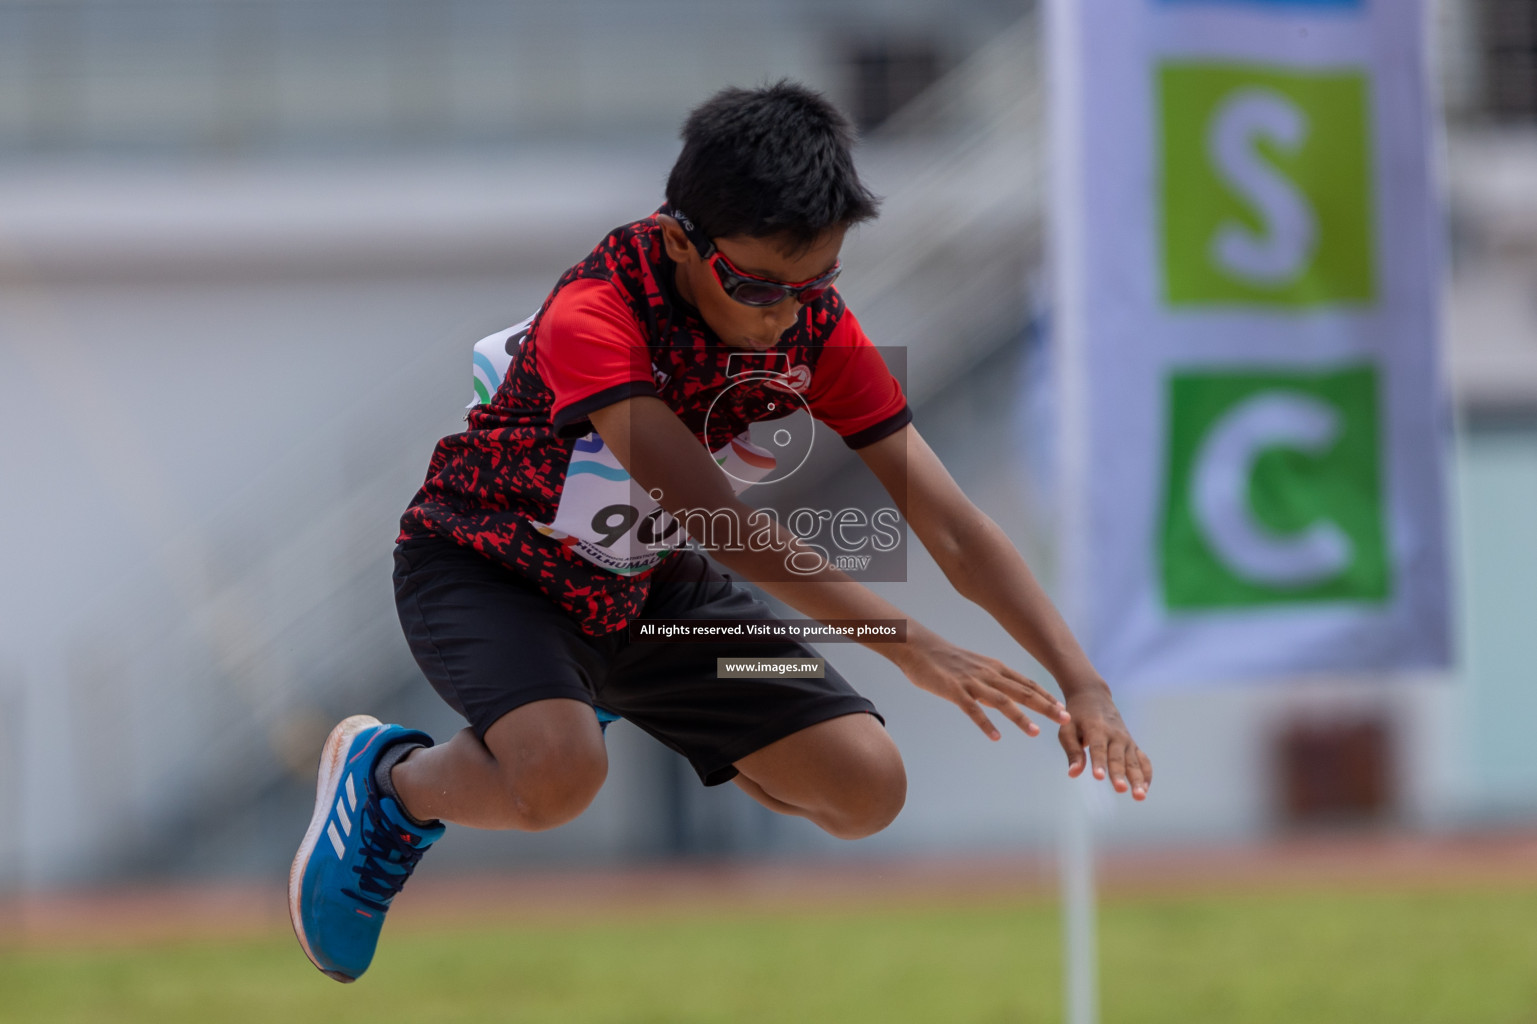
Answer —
358 852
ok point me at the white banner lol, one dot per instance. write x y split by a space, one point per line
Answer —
1248 263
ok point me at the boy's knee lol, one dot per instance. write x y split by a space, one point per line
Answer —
869 799
551 787
549 801
550 767
548 785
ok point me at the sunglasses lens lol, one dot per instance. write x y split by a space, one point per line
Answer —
753 293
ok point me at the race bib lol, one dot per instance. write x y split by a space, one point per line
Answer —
610 520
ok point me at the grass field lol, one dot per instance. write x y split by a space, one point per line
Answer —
1454 955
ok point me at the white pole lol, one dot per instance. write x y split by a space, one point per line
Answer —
1064 111
1080 967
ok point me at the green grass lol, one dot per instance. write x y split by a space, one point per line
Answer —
1456 956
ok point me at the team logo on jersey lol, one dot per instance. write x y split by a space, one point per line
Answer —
798 377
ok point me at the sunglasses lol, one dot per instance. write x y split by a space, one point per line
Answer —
750 289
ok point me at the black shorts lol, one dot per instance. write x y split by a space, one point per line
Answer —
489 642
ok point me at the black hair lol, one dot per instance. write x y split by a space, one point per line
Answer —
766 162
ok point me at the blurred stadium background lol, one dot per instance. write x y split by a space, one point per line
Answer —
246 245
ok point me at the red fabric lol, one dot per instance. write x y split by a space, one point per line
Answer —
614 324
589 341
852 388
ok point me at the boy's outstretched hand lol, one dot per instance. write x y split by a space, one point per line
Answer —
972 681
983 565
1096 730
1089 726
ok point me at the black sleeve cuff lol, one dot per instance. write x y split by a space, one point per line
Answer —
885 428
572 421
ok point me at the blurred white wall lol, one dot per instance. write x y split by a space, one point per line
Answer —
223 367
222 371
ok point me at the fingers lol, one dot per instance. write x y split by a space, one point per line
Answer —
1138 769
1037 700
1116 755
1113 756
976 714
1011 693
1099 753
1068 737
973 702
1012 711
1032 694
1104 746
1145 767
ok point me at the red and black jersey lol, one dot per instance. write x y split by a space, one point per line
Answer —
530 484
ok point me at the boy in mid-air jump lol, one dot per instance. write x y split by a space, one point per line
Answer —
542 532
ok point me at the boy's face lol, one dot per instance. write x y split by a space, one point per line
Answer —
739 325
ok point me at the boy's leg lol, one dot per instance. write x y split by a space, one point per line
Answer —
813 748
538 767
518 670
845 775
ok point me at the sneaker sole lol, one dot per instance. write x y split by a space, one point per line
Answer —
326 785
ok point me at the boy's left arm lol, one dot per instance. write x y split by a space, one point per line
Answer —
983 565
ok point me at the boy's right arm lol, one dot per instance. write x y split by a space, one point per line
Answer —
663 456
